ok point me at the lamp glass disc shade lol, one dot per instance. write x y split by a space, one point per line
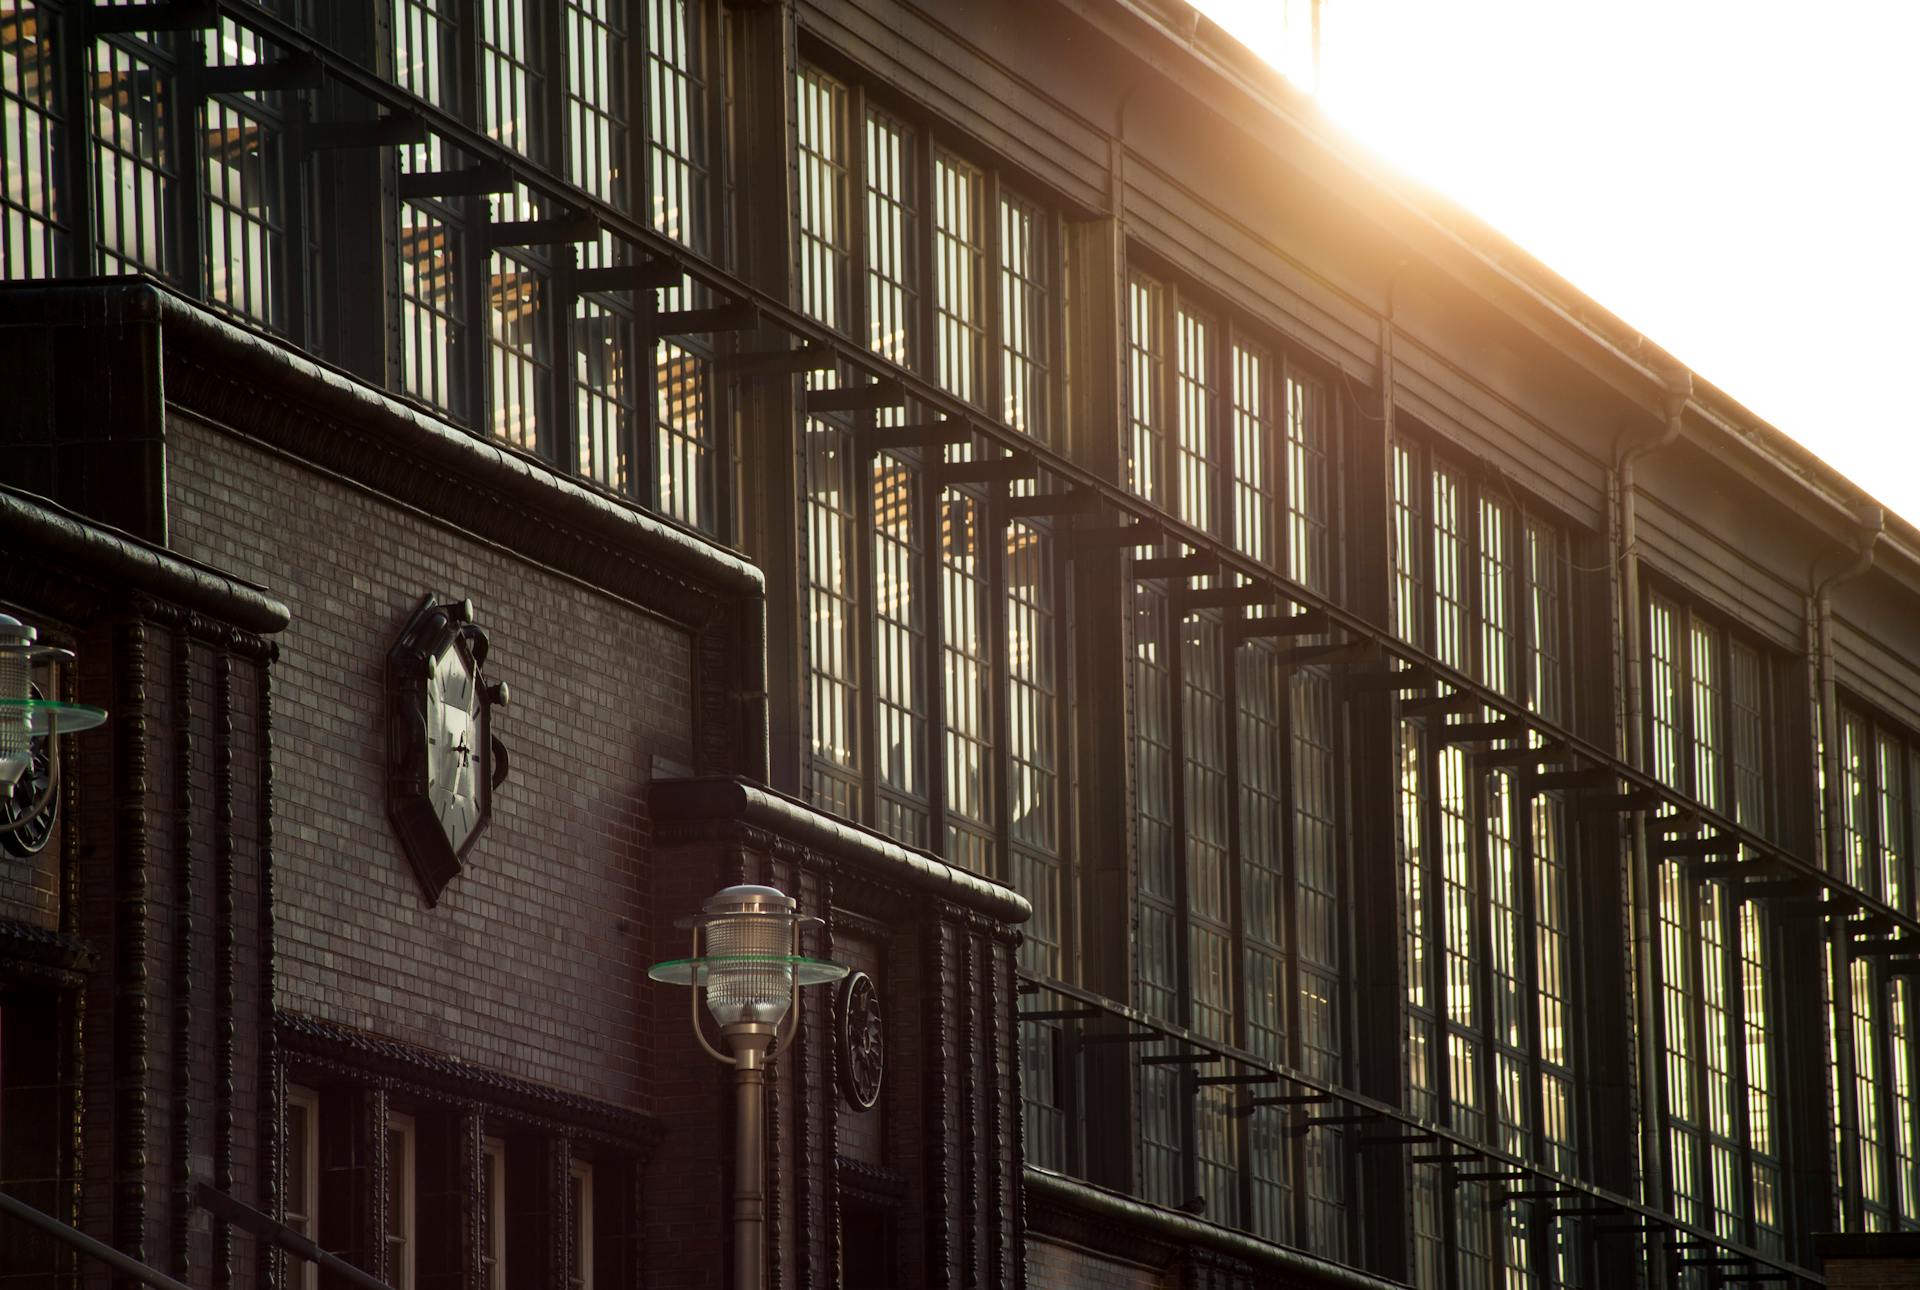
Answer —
699 971
46 714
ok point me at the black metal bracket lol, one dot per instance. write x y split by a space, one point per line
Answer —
558 231
1311 623
388 130
1175 566
294 71
744 316
870 397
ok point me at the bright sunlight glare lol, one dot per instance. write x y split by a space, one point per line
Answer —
1736 179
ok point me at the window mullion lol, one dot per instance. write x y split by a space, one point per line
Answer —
933 508
554 406
863 459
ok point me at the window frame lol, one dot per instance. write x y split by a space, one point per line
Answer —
1469 842
401 1249
305 1274
1693 992
1882 1045
1197 383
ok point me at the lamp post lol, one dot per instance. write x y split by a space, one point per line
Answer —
25 717
752 973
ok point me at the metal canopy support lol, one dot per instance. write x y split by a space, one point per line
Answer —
1391 679
1175 566
648 275
390 130
1473 732
1073 502
919 434
1310 623
559 231
1145 533
740 316
844 398
1223 597
1457 703
180 15
294 72
806 357
1003 471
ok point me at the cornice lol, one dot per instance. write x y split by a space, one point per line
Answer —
357 1055
245 384
708 808
95 562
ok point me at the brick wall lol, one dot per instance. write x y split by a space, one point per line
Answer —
1873 1274
1068 1267
528 965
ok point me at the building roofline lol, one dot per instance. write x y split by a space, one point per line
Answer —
1219 53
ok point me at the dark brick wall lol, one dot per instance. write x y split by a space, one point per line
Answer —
1068 1267
528 965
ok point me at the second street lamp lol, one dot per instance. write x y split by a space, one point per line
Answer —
751 974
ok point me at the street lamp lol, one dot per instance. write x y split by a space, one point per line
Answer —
752 973
25 717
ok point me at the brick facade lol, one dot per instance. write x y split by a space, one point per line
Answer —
529 964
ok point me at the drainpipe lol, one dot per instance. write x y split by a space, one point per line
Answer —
1820 647
1677 390
1833 837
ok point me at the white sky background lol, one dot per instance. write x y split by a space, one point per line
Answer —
1737 179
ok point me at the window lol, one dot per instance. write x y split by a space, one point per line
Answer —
580 1226
402 1247
1708 720
241 155
302 1185
1478 581
685 439
1235 746
1879 767
426 56
33 193
493 1214
38 1109
578 390
931 634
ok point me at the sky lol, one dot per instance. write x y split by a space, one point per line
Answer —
1738 180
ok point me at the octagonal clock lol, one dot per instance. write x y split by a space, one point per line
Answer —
443 759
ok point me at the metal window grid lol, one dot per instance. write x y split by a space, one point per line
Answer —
1197 463
34 223
1025 337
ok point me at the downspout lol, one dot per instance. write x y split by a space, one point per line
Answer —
1820 631
1833 842
1677 391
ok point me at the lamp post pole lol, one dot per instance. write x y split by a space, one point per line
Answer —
750 1163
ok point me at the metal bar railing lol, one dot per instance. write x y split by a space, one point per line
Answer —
268 1228
125 1264
1312 1102
780 315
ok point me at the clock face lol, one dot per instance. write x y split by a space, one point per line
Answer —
454 755
443 759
